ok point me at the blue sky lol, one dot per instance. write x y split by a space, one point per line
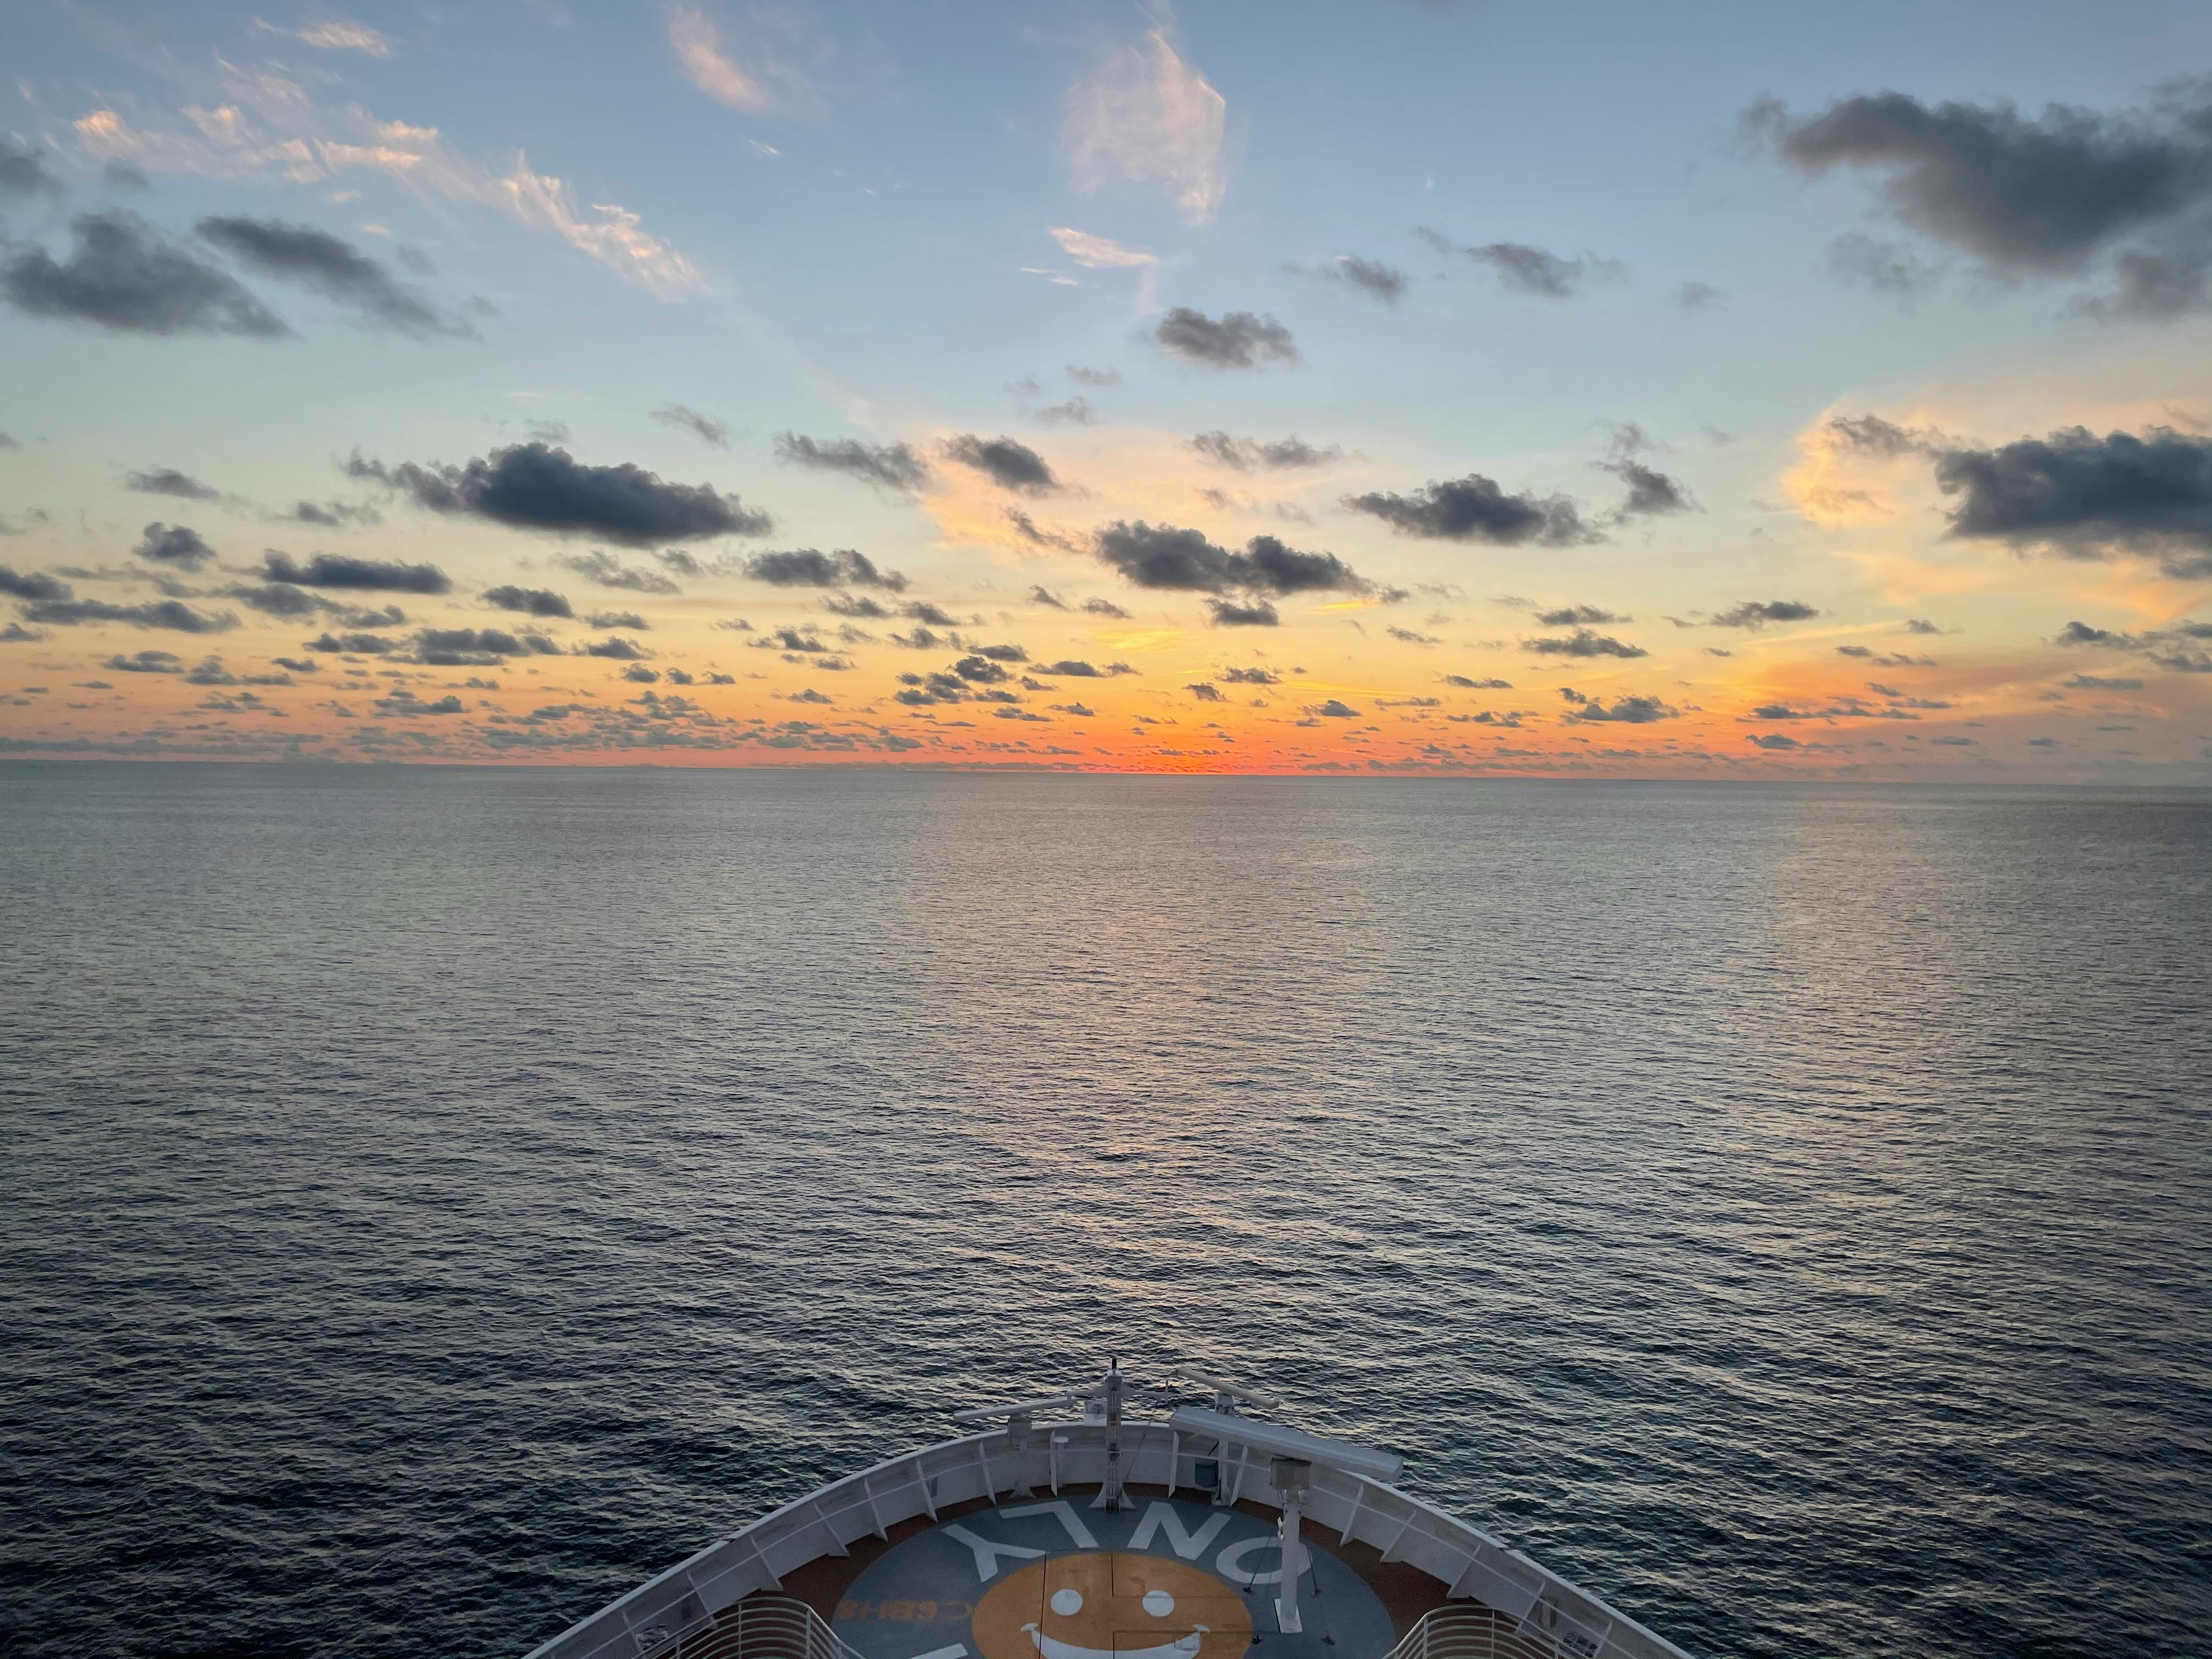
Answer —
896 226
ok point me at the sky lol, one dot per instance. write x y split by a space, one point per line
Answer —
1713 391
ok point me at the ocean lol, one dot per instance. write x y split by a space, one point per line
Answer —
435 1199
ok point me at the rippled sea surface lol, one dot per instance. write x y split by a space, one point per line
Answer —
432 1202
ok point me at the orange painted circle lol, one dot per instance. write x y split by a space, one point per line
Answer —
1109 1605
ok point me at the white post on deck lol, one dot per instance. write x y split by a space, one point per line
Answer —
1293 1478
1110 1495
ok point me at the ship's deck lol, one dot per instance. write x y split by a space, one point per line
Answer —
938 1554
1051 1578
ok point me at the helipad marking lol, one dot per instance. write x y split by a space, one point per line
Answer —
988 1552
1064 1512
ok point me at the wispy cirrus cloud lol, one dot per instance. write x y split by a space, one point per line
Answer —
333 34
1099 253
1145 117
264 127
758 82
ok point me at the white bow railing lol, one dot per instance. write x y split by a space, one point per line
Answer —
762 1627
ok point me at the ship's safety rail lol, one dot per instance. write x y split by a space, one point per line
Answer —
765 1627
1544 1614
1465 1631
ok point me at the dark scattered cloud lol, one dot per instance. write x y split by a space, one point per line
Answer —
277 598
535 486
1698 296
1105 608
1372 279
1777 740
1252 455
477 647
1093 377
1651 492
531 601
792 639
332 267
121 175
1334 709
353 645
1165 557
607 571
2088 497
810 567
1872 435
1582 643
32 584
1409 637
2034 197
405 705
1008 463
1244 613
330 515
1474 509
1920 625
159 613
1031 532
1205 691
2183 648
1757 613
23 170
173 545
1522 268
620 649
168 481
1578 616
1628 711
887 466
1076 412
342 571
628 619
1254 675
705 427
1240 339
122 276
2101 682
146 662
1466 683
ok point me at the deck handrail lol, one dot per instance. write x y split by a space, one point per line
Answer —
759 1627
1463 1631
1560 1619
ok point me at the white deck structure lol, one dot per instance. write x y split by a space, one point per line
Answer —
1525 1611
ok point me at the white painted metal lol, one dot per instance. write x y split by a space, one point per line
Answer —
1110 1494
1552 1616
768 1628
1277 1441
1466 1631
1292 1480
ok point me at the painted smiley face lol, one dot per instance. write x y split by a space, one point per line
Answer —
1111 1605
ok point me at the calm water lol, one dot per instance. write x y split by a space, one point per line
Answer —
432 1202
